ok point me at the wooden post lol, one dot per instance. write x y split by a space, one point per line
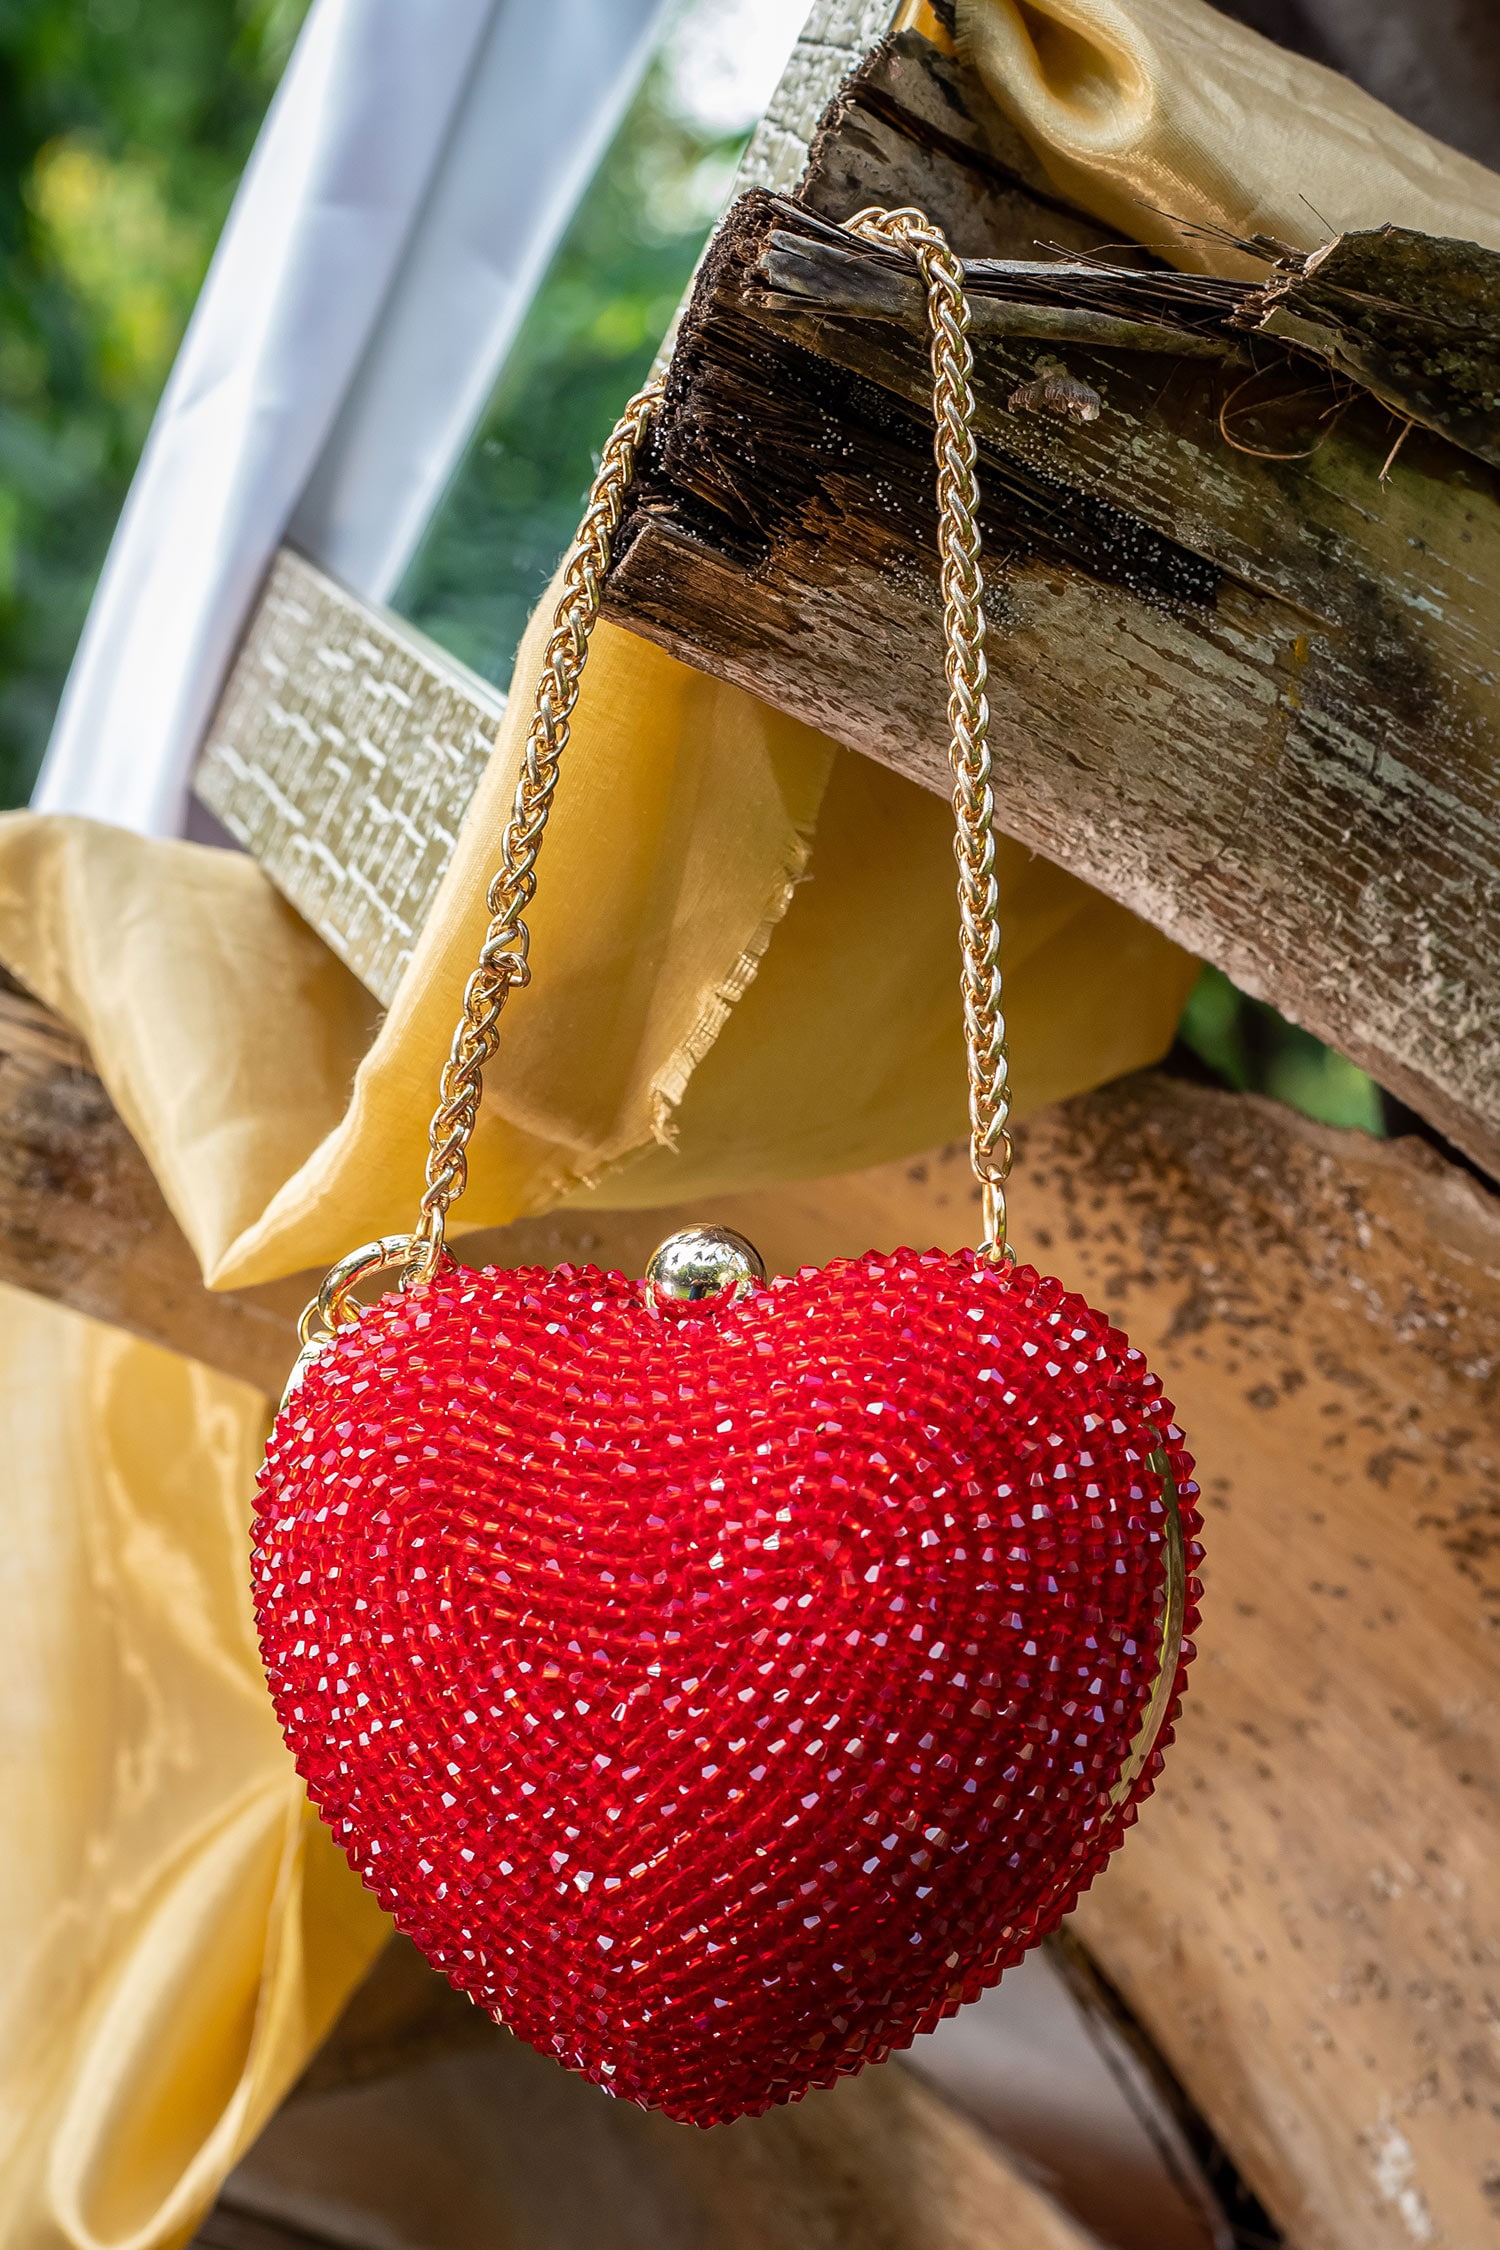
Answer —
1253 699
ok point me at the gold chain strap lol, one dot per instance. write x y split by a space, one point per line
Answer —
503 957
503 963
968 709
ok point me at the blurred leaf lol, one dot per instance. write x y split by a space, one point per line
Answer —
587 342
10 543
124 125
1248 1046
133 265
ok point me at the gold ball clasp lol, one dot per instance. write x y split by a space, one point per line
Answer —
703 1269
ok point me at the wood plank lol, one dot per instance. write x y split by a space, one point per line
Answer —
343 754
912 124
1301 816
83 1222
1044 2066
1307 1921
1253 700
833 41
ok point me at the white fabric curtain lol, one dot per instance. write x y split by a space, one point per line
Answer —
413 176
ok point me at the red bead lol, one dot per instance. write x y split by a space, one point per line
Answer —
721 1699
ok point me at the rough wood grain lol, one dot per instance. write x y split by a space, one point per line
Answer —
1308 1919
83 1222
1412 320
833 41
1254 700
1416 320
910 124
822 269
1044 2066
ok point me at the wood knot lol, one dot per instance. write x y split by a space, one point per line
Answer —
1054 391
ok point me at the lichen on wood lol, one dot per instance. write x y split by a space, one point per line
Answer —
1412 318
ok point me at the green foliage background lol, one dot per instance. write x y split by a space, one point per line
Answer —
124 125
587 343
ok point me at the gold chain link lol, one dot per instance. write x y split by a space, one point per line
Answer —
503 962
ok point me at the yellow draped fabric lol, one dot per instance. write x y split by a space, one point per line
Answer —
746 955
178 1928
1175 126
666 1048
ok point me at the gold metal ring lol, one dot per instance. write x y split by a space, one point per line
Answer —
334 1306
1169 1637
992 1203
425 1250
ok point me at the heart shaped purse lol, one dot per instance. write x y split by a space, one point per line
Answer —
722 1680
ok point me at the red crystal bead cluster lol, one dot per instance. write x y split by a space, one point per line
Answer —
721 1699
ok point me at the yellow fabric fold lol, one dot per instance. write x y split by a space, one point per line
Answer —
847 1049
667 1045
176 1927
745 955
1163 118
236 1048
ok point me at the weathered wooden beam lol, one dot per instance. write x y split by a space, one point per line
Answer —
1249 697
1411 320
1415 321
833 42
343 754
1112 2148
83 1222
912 124
1253 699
1307 1920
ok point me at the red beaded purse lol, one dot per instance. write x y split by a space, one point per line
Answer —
722 1680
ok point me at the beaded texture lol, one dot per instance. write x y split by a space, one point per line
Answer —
720 1699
